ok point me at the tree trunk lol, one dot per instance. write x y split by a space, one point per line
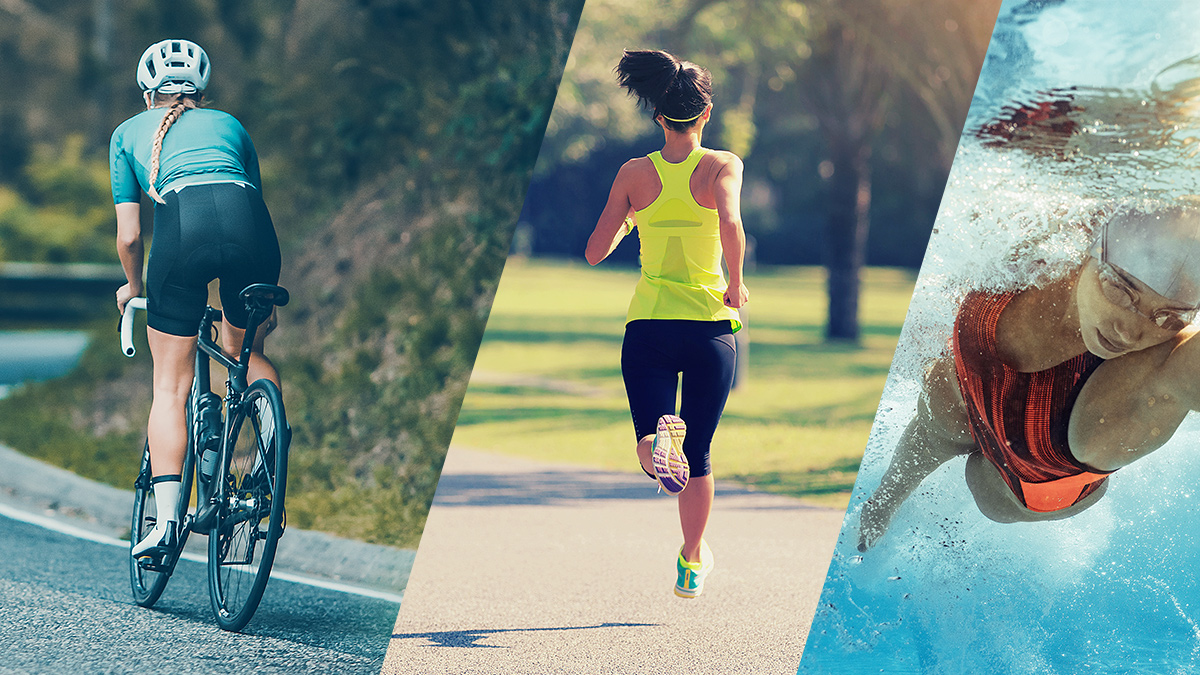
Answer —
846 236
101 90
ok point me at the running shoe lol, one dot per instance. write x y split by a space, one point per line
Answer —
690 582
670 464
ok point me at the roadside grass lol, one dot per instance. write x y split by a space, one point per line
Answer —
547 382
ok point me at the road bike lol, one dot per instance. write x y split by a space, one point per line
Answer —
238 454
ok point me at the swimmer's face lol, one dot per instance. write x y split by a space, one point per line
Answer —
1119 314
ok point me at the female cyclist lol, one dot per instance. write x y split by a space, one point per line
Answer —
684 201
1051 388
201 170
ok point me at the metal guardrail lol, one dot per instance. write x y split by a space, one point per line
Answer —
52 291
79 277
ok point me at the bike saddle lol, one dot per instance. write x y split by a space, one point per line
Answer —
265 296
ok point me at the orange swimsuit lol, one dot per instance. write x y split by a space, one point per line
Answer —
1019 420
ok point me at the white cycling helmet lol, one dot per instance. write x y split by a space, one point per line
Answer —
173 67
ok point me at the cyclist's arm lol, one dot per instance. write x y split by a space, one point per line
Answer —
129 250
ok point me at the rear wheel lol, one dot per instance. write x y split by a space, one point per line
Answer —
147 584
241 546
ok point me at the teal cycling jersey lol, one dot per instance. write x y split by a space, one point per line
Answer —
202 146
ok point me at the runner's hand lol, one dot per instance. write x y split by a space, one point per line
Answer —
737 300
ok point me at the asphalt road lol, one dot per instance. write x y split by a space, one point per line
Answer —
535 568
67 609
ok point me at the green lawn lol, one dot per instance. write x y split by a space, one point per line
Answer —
547 383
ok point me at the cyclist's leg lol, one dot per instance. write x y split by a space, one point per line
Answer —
174 359
260 366
167 431
176 289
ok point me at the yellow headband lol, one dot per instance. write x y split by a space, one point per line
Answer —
694 117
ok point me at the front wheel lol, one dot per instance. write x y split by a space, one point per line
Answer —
148 584
250 520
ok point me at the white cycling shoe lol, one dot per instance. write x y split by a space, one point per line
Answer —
164 536
161 540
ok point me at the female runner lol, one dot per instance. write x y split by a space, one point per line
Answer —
1050 389
684 201
201 170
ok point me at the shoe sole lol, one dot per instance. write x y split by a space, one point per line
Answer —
670 464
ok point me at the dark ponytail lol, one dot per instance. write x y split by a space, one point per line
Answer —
678 90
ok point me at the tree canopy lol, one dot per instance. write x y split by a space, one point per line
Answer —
792 80
396 138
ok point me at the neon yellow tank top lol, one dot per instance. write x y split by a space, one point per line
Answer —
681 252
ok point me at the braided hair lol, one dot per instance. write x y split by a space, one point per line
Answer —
180 103
680 91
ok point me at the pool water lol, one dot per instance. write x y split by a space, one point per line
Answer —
1082 104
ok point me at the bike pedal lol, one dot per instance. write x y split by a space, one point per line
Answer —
150 564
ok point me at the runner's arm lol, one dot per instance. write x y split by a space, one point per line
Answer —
733 237
615 221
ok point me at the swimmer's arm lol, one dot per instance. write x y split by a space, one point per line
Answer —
733 236
615 221
129 250
939 431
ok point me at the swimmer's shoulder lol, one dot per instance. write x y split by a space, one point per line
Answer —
1029 331
1182 357
992 326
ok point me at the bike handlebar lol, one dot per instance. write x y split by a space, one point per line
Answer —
127 347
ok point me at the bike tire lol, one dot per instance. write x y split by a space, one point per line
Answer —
243 540
147 585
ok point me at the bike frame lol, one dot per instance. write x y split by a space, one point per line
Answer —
235 385
208 500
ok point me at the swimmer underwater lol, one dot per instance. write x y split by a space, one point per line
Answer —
1050 389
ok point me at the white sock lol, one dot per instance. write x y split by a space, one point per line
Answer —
166 499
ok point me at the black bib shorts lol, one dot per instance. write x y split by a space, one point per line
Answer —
205 232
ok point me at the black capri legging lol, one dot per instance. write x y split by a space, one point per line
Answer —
655 352
205 232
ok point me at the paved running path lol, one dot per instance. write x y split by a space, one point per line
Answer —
534 568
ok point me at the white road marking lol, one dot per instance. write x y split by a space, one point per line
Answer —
80 533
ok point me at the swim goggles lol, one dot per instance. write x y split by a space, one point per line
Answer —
1119 290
